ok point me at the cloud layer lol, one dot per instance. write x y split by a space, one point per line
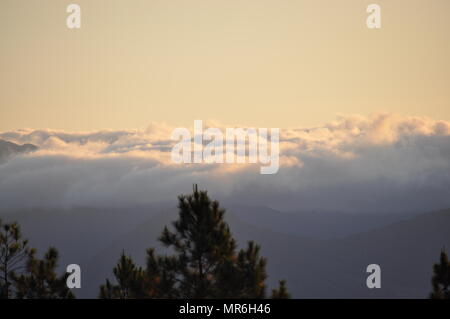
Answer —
380 163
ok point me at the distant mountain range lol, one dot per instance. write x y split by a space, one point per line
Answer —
327 262
8 149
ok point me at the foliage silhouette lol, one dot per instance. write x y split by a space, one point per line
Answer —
14 252
41 281
441 278
24 276
205 261
281 292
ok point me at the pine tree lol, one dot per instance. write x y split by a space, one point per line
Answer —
205 263
202 243
128 277
14 252
441 278
40 280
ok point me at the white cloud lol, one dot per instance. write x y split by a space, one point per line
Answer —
381 163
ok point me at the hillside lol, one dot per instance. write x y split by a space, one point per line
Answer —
314 268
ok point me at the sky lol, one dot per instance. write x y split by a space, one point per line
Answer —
363 114
264 63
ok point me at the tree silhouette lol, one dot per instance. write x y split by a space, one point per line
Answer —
128 277
441 278
14 252
156 281
281 292
205 263
40 280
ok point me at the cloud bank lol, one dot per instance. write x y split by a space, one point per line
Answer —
382 163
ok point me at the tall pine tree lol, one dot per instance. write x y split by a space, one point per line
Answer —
202 243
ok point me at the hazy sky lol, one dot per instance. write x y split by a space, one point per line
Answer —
259 62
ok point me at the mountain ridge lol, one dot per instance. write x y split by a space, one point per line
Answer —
8 149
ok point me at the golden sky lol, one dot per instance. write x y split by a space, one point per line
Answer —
267 63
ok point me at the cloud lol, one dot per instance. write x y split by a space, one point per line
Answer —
384 162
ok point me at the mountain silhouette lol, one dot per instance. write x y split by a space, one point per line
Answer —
8 149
